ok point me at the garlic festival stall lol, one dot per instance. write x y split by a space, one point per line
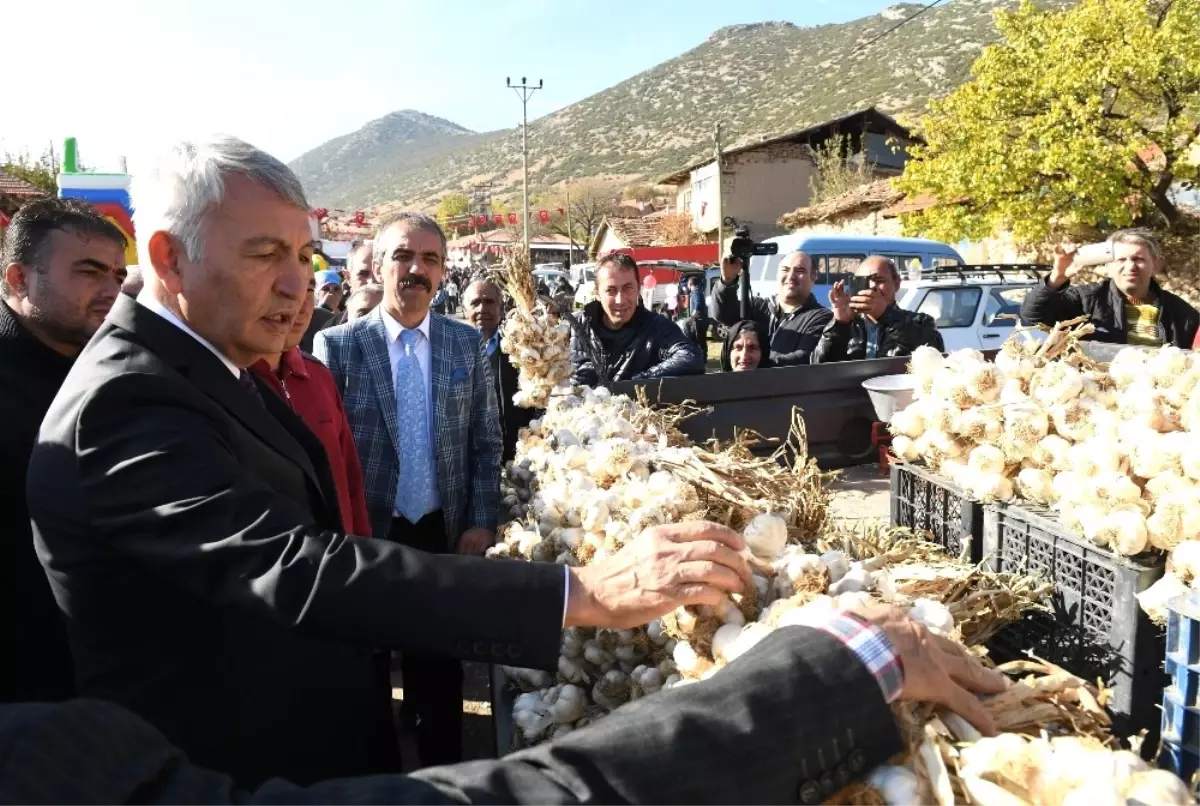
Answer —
597 468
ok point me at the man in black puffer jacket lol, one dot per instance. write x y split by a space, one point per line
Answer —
794 320
1128 308
619 340
869 323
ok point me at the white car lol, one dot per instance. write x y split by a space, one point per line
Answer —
974 306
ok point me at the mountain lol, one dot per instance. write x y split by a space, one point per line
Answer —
346 170
762 80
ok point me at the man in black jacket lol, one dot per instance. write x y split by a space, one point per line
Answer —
619 340
793 320
190 527
483 304
1128 308
806 709
60 272
869 323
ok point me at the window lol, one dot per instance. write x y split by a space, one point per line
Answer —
942 260
1004 307
839 267
951 307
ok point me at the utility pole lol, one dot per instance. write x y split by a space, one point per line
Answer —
720 196
570 232
524 90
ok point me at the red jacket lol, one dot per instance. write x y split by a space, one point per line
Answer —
308 388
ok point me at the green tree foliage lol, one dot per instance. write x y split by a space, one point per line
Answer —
452 206
1077 118
41 172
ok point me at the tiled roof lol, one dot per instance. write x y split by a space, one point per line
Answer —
864 198
637 232
19 188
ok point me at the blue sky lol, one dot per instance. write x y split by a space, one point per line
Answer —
125 76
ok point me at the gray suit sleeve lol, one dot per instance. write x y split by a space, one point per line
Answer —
796 715
165 488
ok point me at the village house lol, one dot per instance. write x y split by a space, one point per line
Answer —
489 247
762 181
13 193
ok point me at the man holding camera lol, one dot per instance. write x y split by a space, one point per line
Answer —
794 319
867 322
1128 308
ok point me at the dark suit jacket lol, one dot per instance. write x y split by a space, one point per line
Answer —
321 319
795 717
32 637
512 417
191 539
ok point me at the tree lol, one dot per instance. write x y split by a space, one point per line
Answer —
590 201
452 206
837 170
644 192
42 173
1076 118
675 229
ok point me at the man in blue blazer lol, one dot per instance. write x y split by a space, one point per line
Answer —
420 400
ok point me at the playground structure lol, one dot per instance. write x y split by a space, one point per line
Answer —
107 192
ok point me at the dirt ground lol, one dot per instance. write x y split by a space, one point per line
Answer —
860 493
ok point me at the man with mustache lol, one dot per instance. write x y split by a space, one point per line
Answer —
60 272
1129 307
430 444
793 321
190 527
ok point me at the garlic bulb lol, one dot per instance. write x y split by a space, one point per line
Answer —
934 615
1036 485
766 535
898 785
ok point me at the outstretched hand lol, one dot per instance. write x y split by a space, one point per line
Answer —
937 669
665 567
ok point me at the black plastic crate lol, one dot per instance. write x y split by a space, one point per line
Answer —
933 504
1095 629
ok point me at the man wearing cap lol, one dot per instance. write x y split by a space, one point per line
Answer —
322 317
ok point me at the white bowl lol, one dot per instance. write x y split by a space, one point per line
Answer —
890 394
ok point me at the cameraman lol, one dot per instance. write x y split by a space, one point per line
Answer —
1128 308
794 320
867 322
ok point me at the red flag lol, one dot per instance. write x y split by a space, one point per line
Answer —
512 218
360 218
321 213
498 218
481 221
543 216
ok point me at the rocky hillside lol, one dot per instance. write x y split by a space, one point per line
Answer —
345 171
762 80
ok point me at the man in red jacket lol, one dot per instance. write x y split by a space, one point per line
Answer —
308 388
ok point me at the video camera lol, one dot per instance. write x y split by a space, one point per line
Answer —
743 247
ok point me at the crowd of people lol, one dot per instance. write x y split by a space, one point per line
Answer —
216 539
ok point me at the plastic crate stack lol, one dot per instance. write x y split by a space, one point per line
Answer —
1095 628
1180 749
934 505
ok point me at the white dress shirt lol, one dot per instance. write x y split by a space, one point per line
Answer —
148 301
424 351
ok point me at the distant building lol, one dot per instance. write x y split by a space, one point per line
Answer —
13 193
762 181
624 232
487 248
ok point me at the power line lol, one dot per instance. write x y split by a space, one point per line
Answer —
894 27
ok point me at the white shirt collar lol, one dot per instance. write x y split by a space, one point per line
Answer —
394 328
148 301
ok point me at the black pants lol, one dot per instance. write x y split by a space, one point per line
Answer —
433 685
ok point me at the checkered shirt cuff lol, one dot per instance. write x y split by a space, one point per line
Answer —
872 647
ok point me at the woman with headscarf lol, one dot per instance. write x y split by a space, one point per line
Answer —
743 349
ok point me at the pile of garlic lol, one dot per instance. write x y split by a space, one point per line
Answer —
539 346
1073 771
1115 451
